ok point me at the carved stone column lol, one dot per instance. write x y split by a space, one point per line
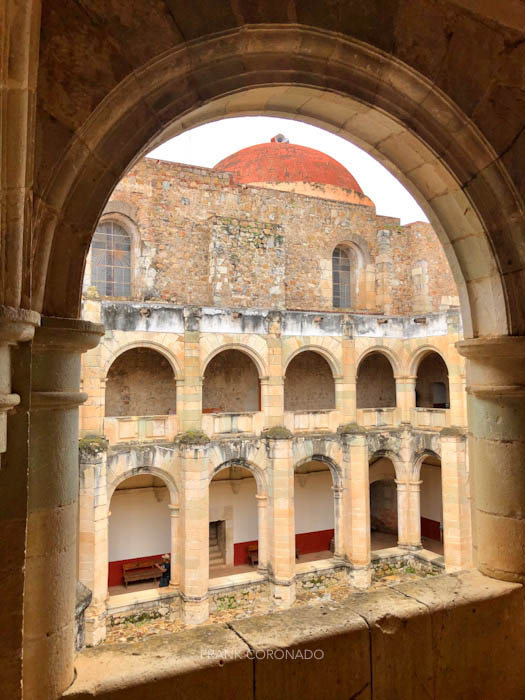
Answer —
262 530
195 535
356 541
337 492
456 502
406 397
496 419
16 328
282 553
175 546
51 555
409 514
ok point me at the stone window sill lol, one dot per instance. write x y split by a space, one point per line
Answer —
452 636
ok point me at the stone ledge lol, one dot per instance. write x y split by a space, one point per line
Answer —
455 636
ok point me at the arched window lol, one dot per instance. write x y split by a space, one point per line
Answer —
111 260
341 266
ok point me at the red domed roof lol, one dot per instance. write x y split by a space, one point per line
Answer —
283 162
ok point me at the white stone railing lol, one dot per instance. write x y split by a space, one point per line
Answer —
376 417
251 422
312 421
430 417
140 428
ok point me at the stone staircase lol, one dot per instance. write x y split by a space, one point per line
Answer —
216 556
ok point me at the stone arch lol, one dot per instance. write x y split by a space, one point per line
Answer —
334 364
393 457
258 473
246 349
153 471
335 469
444 185
419 354
418 460
161 349
382 350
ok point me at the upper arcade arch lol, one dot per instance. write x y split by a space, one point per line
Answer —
419 355
162 350
254 356
367 97
326 354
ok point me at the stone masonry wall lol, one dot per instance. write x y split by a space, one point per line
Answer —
204 240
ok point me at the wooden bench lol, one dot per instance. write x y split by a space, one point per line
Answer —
140 571
253 554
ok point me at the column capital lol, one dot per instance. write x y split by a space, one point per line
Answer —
262 499
67 334
17 325
174 510
496 366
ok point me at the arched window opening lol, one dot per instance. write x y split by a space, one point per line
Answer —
376 386
432 389
233 518
341 277
140 382
431 504
111 260
308 383
383 504
314 512
139 533
231 384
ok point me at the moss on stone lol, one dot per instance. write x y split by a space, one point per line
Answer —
194 437
351 429
92 444
453 431
278 432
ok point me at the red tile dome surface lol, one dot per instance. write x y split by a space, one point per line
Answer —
280 162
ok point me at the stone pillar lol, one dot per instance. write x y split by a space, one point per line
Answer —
356 540
93 540
175 545
337 493
281 567
51 554
348 398
272 387
262 530
195 535
456 503
496 413
191 405
408 514
405 397
16 329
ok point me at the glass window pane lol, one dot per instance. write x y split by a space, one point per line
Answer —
111 260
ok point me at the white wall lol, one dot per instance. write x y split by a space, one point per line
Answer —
314 502
431 503
139 525
243 503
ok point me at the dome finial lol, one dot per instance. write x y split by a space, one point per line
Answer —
280 138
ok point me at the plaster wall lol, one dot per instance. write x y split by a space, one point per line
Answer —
313 502
243 507
139 524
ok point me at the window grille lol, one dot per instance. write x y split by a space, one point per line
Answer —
111 260
341 278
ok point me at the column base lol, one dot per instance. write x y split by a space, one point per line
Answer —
95 627
410 547
195 611
283 593
360 577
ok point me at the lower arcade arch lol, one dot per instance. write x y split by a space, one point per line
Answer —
383 503
237 532
139 534
317 513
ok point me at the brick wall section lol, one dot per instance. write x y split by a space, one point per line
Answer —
185 212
